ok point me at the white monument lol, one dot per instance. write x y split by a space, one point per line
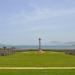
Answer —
40 49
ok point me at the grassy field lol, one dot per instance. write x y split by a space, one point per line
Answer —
34 59
37 72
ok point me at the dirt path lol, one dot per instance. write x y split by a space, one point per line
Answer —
37 67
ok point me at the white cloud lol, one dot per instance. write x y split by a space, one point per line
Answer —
39 15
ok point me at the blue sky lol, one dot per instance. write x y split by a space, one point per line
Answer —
22 22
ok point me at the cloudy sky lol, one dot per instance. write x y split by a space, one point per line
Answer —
22 22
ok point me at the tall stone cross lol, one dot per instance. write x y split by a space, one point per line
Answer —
40 44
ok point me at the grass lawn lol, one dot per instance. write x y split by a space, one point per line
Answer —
32 59
37 72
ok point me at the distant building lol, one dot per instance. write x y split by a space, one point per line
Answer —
7 51
71 52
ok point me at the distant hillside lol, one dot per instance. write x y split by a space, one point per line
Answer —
70 43
1 45
57 43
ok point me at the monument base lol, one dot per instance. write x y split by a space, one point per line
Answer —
41 51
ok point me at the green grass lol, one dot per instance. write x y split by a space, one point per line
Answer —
33 59
37 72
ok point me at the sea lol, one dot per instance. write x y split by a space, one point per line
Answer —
45 47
